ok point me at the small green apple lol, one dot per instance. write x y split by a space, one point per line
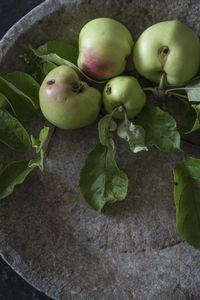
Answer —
67 102
123 91
104 45
167 47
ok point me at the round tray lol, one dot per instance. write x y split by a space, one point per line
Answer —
48 233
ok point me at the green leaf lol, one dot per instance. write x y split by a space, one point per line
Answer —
3 102
187 200
193 90
39 143
101 181
160 129
14 174
134 135
193 119
62 49
12 133
59 61
26 84
22 105
48 67
105 126
35 143
34 65
38 162
37 66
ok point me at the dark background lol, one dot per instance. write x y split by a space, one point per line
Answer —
13 287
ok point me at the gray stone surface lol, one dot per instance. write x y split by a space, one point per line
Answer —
49 235
12 286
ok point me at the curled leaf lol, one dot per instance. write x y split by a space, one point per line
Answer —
106 126
39 143
192 119
193 90
133 134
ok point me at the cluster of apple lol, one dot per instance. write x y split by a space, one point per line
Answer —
167 52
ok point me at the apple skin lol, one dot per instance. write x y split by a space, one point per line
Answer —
126 91
169 47
67 102
104 45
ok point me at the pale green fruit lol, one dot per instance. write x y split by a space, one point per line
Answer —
169 47
104 45
67 102
125 91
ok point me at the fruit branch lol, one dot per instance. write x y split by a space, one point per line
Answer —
177 89
176 94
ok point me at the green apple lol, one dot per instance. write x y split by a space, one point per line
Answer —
67 102
123 91
104 45
169 48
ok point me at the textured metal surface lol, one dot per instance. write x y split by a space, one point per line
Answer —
50 235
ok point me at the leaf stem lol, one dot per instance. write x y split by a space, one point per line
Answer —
176 89
162 81
149 89
177 94
116 108
110 119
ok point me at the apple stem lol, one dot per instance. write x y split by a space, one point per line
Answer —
162 81
125 116
121 108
